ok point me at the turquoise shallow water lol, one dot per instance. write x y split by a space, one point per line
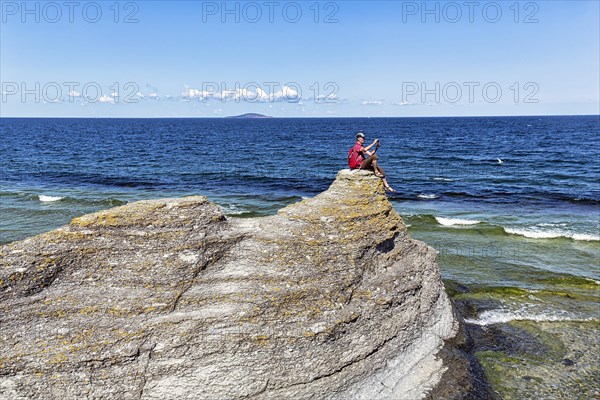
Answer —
511 204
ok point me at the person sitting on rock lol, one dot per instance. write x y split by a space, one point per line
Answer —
357 159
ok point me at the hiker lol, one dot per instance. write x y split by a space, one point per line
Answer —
357 159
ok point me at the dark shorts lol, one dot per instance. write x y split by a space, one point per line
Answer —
368 164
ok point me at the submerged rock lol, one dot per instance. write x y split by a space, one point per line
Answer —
168 299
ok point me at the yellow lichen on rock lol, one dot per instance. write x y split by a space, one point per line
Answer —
163 298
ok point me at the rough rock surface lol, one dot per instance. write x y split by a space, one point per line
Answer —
168 299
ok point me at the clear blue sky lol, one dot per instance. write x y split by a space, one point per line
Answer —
388 58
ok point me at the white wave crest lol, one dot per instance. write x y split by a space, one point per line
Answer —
504 316
231 209
443 179
585 237
455 221
428 196
534 233
45 199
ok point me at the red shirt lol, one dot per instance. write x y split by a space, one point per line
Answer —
359 155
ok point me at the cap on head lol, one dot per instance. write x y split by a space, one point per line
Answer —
360 135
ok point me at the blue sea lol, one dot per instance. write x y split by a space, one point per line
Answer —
512 204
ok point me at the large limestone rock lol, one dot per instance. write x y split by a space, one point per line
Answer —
168 299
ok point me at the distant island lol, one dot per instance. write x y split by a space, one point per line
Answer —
249 115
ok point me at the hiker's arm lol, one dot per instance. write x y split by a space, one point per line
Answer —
369 146
366 149
367 152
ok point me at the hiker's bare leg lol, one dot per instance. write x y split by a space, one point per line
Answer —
376 169
371 164
374 162
387 186
385 183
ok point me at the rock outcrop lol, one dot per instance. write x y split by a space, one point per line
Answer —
168 299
